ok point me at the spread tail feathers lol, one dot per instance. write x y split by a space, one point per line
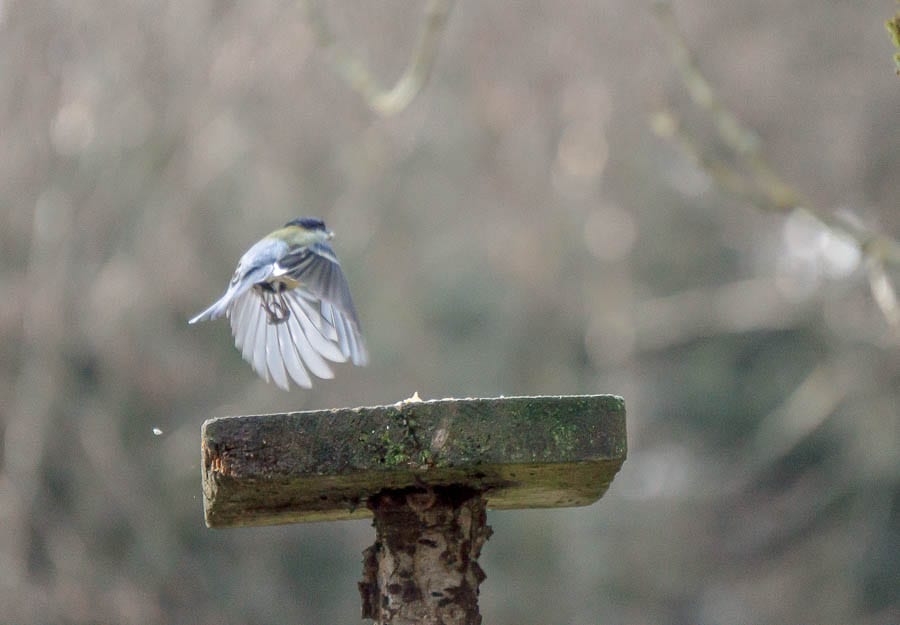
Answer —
215 311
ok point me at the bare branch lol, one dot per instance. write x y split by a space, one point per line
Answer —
385 102
762 186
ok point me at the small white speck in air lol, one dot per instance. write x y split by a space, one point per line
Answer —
157 432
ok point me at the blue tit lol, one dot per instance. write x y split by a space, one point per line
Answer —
289 306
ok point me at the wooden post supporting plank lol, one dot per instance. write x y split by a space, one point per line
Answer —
426 470
423 567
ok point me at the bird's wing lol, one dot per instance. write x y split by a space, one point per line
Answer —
317 268
277 351
319 273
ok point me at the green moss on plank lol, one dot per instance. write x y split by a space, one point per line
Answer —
523 451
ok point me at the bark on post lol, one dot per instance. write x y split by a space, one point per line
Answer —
423 568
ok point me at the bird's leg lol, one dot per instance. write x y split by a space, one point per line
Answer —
276 308
277 311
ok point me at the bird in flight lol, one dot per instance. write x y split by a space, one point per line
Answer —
290 308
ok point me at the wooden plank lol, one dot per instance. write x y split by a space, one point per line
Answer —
522 452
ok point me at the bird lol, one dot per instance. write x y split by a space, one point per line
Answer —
290 308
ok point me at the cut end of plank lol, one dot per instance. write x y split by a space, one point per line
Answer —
521 452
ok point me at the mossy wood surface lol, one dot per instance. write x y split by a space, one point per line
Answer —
522 452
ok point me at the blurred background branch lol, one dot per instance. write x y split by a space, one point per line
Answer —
760 185
893 27
356 73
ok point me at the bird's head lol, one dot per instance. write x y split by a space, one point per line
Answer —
312 224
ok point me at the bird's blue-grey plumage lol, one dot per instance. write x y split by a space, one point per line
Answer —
290 307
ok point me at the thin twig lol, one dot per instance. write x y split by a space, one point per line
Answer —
883 291
385 102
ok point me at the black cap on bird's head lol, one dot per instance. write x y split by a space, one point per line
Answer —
307 223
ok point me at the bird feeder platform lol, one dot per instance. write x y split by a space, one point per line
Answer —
425 470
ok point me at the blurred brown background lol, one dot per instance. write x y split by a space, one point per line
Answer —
517 230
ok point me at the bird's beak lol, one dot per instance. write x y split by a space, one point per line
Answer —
330 234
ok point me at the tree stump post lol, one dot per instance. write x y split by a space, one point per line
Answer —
423 567
426 471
